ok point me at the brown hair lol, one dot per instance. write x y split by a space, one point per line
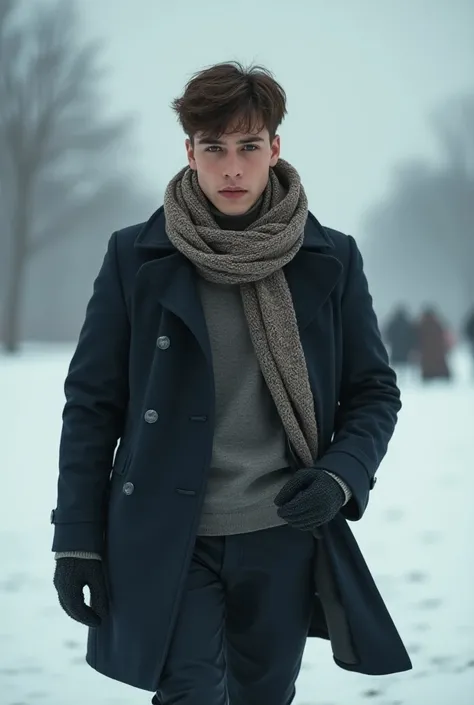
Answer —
229 96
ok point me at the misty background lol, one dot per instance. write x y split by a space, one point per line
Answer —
380 126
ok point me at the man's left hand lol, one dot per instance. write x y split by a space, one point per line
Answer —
309 499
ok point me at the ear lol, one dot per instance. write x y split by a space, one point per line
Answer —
275 150
190 154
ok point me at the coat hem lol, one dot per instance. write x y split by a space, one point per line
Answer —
110 674
361 668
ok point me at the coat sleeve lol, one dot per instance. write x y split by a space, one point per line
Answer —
369 398
96 390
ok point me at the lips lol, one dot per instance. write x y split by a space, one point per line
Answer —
232 192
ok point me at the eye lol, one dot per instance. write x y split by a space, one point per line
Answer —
212 148
250 147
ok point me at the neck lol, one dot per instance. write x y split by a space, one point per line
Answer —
236 222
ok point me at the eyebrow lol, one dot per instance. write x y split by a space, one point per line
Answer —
244 140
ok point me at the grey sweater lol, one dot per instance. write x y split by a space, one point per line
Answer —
250 461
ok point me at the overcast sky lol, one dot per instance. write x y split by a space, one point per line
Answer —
362 78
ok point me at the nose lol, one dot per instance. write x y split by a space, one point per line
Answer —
232 167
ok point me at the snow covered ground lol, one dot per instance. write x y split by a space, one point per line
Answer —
416 537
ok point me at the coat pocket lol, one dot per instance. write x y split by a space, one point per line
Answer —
121 461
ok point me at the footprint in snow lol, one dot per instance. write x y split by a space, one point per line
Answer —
417 576
441 661
431 603
372 693
465 667
394 515
429 538
14 583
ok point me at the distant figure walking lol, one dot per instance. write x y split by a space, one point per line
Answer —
400 335
469 332
433 346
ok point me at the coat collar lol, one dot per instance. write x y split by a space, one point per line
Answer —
171 279
152 235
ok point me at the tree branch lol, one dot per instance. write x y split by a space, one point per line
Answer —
92 205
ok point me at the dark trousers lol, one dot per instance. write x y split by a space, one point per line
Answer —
243 622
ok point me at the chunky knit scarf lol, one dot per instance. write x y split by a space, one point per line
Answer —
254 259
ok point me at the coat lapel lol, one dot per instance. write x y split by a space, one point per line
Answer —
170 279
312 275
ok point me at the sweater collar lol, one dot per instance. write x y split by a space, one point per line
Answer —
236 222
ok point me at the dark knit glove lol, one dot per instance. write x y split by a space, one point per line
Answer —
70 578
310 498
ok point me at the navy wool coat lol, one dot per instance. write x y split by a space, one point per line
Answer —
137 440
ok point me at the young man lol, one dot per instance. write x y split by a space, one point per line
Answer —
231 347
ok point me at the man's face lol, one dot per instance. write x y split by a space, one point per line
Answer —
233 170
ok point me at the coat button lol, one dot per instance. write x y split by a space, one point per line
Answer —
128 488
151 416
163 342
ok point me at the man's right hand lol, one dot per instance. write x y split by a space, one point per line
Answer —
70 578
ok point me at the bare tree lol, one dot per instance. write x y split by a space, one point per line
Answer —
55 144
453 123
